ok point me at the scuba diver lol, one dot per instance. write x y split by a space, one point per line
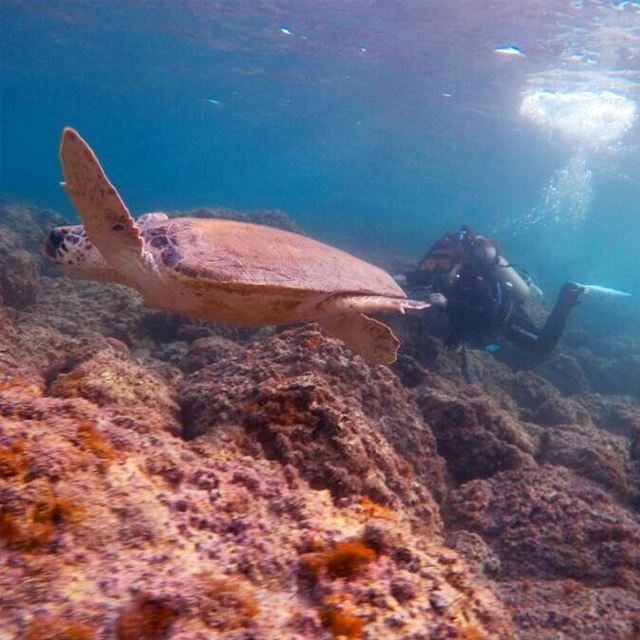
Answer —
483 295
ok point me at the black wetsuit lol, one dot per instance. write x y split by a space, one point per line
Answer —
480 310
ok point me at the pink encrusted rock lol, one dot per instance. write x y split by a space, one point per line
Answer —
475 436
570 609
596 454
345 425
30 223
549 523
109 378
18 272
107 529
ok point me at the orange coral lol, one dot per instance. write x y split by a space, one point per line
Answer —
57 510
472 633
23 385
344 560
340 622
12 460
38 525
372 509
55 628
92 439
11 530
145 619
227 603
348 559
571 587
27 533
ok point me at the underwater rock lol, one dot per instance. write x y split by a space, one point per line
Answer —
477 553
18 272
163 327
109 378
416 341
84 311
536 399
131 534
592 453
634 447
15 369
348 426
617 414
548 523
476 438
30 223
206 351
620 376
563 370
611 365
569 609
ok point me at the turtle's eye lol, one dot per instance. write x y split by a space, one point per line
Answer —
54 242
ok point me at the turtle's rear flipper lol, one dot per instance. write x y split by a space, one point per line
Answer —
370 338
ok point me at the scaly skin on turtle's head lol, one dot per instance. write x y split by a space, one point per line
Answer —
75 255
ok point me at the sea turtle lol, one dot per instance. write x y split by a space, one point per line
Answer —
221 270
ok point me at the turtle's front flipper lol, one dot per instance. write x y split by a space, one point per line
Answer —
343 316
105 217
345 303
370 338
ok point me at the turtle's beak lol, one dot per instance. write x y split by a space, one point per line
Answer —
54 242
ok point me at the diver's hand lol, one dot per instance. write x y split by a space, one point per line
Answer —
436 300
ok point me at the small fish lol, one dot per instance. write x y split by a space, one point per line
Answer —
447 95
605 291
284 29
510 50
212 101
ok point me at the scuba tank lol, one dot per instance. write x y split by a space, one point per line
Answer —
485 253
511 279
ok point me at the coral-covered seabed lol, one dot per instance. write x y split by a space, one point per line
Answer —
165 478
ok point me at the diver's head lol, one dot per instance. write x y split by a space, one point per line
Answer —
438 264
483 251
444 261
75 255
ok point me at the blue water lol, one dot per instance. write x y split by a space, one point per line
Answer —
377 126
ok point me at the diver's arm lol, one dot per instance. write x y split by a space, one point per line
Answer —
418 278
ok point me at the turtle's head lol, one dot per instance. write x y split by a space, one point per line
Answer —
72 252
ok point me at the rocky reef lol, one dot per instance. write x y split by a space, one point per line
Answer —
163 478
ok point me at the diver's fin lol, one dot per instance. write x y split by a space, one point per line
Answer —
605 291
370 338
